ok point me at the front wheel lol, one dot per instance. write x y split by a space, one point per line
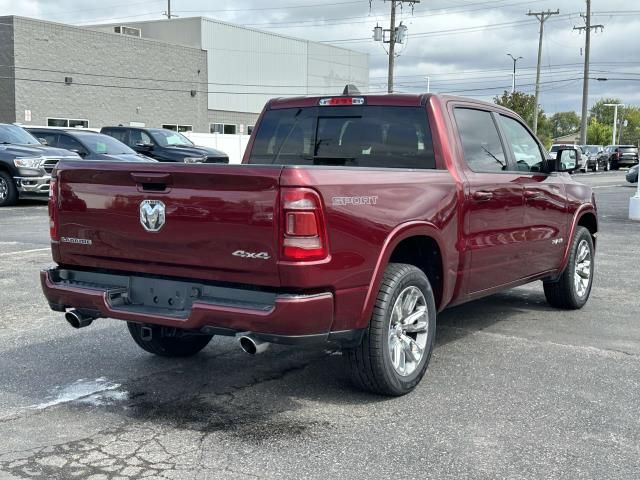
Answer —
167 342
572 289
8 190
395 351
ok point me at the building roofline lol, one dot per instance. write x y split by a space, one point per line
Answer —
84 29
229 24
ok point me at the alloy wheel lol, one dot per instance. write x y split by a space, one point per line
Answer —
408 331
4 189
583 265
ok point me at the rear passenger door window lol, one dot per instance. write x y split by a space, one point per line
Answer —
525 148
483 150
65 141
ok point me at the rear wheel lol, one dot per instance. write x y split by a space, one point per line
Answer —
167 342
572 289
8 190
395 351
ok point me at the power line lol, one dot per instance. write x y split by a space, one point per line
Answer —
360 19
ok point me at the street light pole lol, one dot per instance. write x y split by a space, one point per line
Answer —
615 118
428 84
513 83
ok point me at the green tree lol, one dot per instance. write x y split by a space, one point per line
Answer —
598 133
602 113
524 105
564 123
631 133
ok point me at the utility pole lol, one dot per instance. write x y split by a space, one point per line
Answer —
168 12
392 47
513 84
396 35
585 81
542 17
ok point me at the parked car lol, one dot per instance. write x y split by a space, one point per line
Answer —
165 145
594 158
632 174
88 144
25 165
622 156
554 149
353 220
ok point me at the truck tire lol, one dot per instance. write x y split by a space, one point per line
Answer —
396 348
8 190
166 345
571 291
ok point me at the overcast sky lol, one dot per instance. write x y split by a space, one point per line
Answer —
461 45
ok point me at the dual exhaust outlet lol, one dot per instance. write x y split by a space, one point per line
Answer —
248 343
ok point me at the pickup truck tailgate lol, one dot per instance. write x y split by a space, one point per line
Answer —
219 220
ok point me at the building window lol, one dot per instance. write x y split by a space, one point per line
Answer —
226 128
249 129
177 128
67 122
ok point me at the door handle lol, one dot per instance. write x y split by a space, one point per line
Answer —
531 194
482 196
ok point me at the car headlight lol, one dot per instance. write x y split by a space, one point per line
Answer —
28 162
195 159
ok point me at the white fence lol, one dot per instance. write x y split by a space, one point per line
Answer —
232 145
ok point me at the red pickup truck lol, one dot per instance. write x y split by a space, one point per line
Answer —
352 220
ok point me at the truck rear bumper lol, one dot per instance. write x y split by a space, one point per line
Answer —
194 306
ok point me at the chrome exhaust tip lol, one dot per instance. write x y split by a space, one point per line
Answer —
252 345
77 319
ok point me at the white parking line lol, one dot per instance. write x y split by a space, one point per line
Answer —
608 186
8 254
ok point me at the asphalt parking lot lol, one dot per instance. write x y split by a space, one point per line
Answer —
515 389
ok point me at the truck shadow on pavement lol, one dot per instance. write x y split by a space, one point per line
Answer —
219 397
466 319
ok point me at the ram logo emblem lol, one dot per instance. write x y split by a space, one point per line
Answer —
152 215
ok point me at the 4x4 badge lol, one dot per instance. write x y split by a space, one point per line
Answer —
152 215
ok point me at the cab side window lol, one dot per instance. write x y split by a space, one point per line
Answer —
68 143
138 136
119 134
483 151
526 150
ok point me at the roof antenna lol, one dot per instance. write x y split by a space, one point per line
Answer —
350 89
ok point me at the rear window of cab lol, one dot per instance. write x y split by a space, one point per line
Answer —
352 136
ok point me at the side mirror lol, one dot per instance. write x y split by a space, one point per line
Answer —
43 141
82 153
567 160
144 147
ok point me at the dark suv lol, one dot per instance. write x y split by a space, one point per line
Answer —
25 165
623 156
88 144
165 145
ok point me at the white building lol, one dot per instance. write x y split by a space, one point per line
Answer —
246 67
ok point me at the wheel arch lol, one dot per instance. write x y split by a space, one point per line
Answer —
416 243
587 217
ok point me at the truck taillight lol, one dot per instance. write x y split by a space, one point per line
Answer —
53 209
303 230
